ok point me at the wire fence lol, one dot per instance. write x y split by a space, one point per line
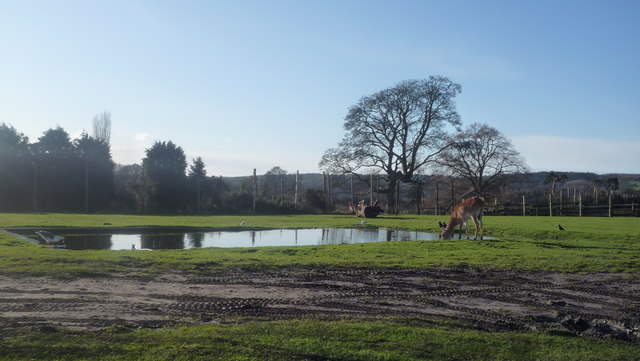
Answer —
435 197
570 210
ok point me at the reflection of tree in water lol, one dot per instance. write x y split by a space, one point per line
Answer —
334 236
91 241
162 241
195 239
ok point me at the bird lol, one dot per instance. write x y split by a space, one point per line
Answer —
242 223
363 223
560 228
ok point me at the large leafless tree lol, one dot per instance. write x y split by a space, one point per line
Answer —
398 130
102 127
482 156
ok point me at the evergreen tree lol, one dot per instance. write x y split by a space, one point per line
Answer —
59 174
165 165
197 176
99 185
16 170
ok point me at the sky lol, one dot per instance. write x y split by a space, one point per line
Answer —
258 84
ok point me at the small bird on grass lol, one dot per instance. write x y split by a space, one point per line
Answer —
363 223
242 223
560 228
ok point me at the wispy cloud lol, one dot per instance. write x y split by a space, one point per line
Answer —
142 137
578 154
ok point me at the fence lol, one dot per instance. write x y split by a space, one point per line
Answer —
337 191
572 210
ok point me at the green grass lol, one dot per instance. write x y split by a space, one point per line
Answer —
306 340
528 243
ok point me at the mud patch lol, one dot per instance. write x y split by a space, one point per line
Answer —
594 305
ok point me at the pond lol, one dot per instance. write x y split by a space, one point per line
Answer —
169 238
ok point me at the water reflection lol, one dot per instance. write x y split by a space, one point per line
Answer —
162 241
159 239
93 241
195 239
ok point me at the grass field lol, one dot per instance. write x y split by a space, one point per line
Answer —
309 340
527 243
530 243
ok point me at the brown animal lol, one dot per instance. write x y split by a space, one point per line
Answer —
469 208
362 210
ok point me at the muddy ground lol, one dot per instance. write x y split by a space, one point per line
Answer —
594 305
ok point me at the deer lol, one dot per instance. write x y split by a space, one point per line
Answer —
469 208
363 210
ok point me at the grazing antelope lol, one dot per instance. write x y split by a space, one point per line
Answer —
469 208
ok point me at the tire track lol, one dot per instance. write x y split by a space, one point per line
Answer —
602 305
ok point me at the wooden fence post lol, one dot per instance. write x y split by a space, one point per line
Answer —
324 191
254 190
352 200
524 207
580 209
561 198
371 189
550 206
397 210
330 195
295 192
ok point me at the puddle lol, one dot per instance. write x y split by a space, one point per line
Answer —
158 238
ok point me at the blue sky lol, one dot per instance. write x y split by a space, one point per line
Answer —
257 84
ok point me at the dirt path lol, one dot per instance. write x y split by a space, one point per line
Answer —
598 305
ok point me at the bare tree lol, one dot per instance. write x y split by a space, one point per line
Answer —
553 178
273 184
398 130
102 127
605 184
482 156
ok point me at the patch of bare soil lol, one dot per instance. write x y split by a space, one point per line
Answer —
593 305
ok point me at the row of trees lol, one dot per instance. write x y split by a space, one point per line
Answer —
57 173
406 134
400 131
53 174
